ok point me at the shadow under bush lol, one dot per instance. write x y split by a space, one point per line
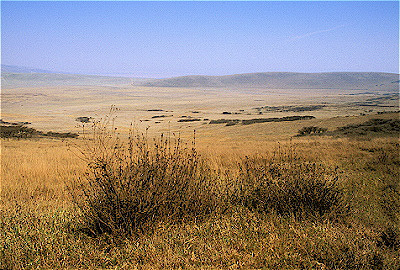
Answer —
131 185
289 185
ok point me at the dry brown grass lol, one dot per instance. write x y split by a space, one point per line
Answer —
40 226
35 172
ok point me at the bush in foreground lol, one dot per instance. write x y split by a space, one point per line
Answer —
290 186
134 184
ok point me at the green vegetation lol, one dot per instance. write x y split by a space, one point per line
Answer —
83 119
228 122
23 132
231 122
286 118
290 108
311 130
189 120
373 126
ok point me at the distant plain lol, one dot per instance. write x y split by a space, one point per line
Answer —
56 100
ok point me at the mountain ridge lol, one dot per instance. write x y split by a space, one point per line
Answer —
21 69
15 76
285 80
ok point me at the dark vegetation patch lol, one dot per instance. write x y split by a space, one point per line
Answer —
189 120
159 116
83 119
370 127
385 112
372 104
311 130
378 101
373 126
363 93
290 186
290 108
155 110
389 238
231 122
24 132
383 98
13 123
283 119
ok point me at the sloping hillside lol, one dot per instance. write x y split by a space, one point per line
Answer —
14 80
270 80
288 80
19 69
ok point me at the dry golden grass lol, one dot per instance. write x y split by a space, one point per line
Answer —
40 229
35 172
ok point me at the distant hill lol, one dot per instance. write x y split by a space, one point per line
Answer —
14 80
18 76
287 80
19 69
15 76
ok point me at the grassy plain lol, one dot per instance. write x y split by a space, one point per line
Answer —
40 226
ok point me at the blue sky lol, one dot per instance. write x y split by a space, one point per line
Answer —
163 39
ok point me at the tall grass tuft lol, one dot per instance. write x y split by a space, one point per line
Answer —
133 183
290 185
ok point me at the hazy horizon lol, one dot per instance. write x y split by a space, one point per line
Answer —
169 39
129 75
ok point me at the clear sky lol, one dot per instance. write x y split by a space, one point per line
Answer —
163 39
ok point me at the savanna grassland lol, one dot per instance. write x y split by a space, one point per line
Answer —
231 195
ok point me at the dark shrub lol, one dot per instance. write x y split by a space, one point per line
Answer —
311 130
131 185
225 121
294 187
389 238
373 126
189 120
23 132
274 119
18 131
83 119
